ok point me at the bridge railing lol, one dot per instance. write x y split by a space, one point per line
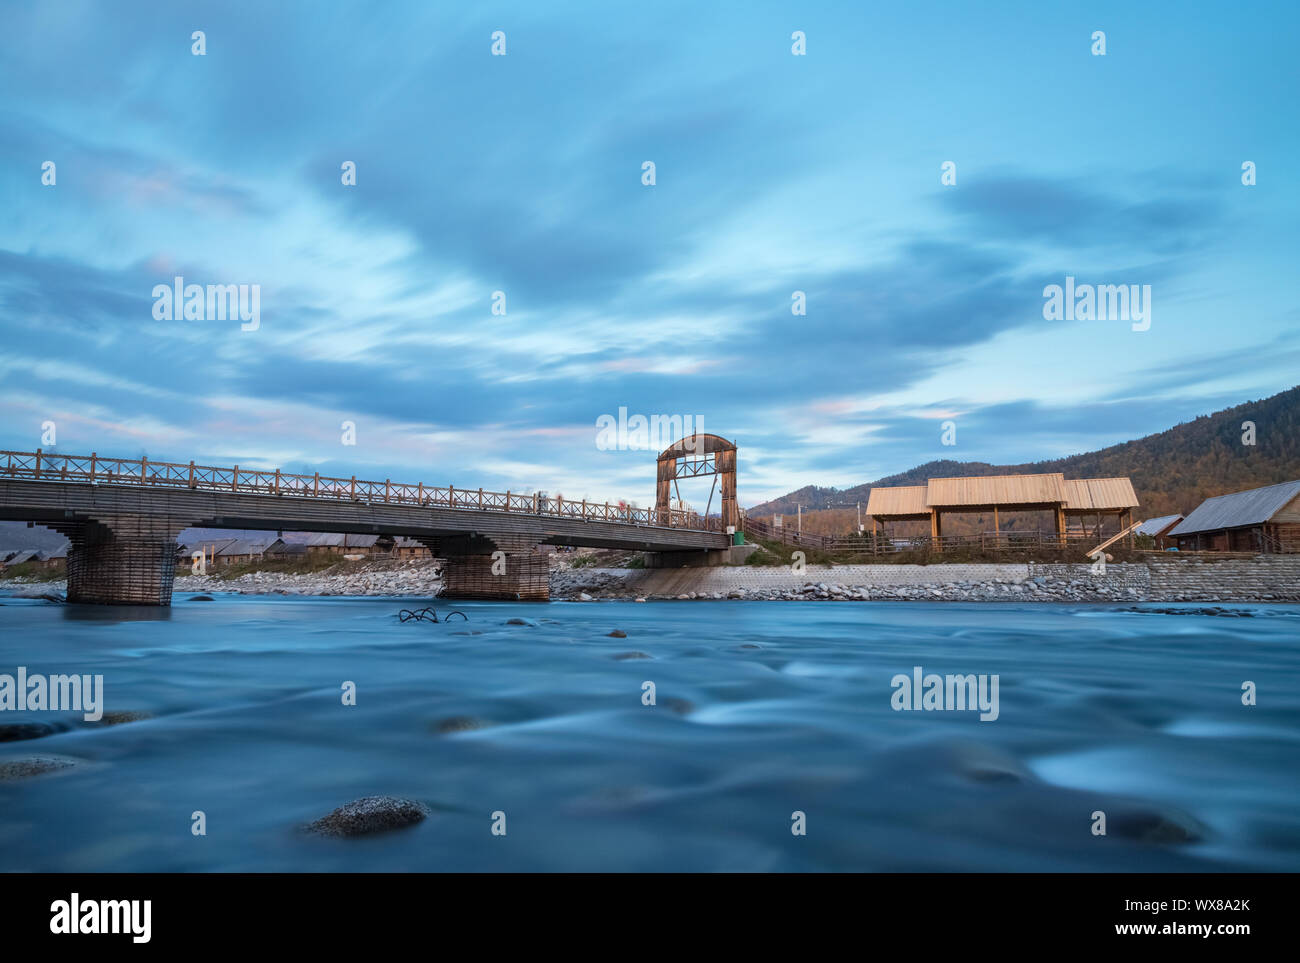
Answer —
95 469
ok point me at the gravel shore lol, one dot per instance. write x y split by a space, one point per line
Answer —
951 582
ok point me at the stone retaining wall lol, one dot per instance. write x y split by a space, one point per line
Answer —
1265 577
1160 579
773 578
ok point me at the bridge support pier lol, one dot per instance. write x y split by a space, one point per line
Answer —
500 568
122 559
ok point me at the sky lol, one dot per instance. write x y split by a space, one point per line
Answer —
523 173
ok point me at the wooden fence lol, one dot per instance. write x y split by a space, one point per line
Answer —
879 545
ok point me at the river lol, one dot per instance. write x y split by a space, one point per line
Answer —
762 711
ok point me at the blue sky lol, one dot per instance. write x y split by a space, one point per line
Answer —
523 174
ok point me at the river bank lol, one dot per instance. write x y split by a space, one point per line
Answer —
1263 579
1266 579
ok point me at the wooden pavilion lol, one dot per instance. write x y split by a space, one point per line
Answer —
1065 498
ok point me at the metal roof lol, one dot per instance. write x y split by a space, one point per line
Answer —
213 546
1154 526
331 539
246 546
1238 509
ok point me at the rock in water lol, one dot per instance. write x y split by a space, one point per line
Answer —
25 767
202 598
458 724
618 634
16 731
1155 826
372 814
123 716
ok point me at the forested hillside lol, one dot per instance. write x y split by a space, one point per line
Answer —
1172 471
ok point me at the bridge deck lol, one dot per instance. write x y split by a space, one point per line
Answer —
44 488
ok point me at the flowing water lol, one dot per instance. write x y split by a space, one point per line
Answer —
761 710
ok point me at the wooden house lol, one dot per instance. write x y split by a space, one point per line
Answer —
1265 520
1159 529
404 547
344 544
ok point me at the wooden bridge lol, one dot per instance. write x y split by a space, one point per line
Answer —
122 518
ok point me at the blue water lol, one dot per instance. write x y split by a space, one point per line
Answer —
763 709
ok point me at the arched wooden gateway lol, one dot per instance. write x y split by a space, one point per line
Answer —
692 457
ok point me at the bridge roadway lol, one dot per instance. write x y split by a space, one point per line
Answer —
122 519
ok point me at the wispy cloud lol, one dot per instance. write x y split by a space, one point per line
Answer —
522 175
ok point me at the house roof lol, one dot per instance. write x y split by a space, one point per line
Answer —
1238 509
1155 526
907 500
17 558
1099 494
246 546
213 546
977 490
1012 491
331 539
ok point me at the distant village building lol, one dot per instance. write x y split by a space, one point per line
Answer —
1258 520
242 551
1159 529
222 552
209 547
337 544
283 551
18 558
404 547
53 560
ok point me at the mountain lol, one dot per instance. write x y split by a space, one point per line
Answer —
16 536
1173 471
